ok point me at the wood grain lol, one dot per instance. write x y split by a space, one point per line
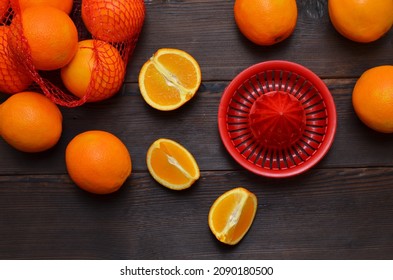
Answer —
46 216
195 126
340 209
207 30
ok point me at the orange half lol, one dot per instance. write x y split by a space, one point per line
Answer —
170 78
172 165
232 214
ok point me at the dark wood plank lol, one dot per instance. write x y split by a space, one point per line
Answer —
327 214
195 126
340 209
207 30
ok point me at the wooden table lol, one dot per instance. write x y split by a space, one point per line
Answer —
340 209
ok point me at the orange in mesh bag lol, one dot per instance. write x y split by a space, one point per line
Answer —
106 66
4 4
13 76
95 60
64 5
113 21
50 34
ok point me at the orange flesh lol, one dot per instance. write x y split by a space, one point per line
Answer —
229 226
159 89
164 160
170 78
182 69
245 220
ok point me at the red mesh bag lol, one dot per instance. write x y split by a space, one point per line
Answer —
112 24
13 76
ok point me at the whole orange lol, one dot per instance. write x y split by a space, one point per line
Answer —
266 22
64 5
372 98
113 21
13 76
51 35
97 70
361 21
98 162
30 122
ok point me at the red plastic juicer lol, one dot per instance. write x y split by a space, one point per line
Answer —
277 119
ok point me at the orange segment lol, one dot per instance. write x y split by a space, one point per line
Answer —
165 93
172 165
232 214
169 79
182 69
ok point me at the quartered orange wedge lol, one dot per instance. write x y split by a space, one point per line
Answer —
170 78
172 165
232 214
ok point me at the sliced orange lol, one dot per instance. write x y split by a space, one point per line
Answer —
172 165
232 214
170 78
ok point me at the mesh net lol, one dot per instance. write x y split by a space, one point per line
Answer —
117 22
